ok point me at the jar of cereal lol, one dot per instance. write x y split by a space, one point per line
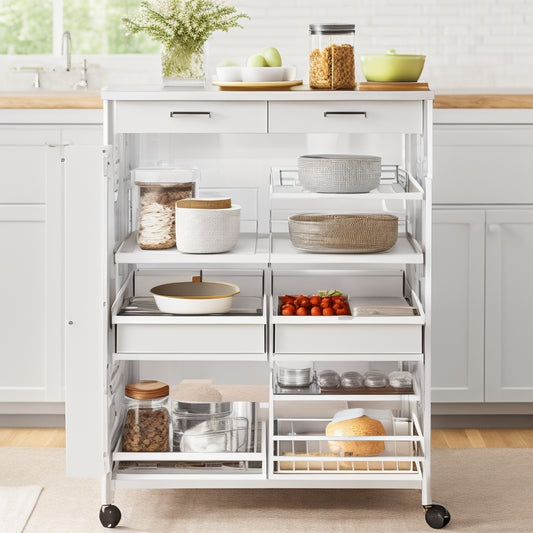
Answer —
147 422
331 56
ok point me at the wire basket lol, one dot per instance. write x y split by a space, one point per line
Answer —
339 173
352 233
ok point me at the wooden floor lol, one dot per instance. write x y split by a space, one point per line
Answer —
441 438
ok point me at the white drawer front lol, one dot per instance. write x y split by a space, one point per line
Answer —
345 117
191 117
190 338
360 338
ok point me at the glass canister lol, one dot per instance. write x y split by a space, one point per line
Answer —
331 56
147 425
159 190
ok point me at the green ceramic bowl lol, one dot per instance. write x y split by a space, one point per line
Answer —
392 66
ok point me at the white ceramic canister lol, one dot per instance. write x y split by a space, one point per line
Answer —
207 231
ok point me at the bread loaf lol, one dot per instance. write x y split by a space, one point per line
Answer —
356 427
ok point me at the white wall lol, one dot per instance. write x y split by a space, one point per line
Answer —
468 43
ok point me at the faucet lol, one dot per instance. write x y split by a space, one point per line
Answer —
83 82
66 45
36 71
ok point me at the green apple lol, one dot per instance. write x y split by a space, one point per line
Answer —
272 56
257 60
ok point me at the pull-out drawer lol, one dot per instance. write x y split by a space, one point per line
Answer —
191 117
346 337
345 117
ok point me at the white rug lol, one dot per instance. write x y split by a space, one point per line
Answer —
16 506
486 491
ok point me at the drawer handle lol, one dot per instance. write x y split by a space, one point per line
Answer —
328 113
175 113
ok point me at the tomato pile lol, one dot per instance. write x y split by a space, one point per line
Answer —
314 305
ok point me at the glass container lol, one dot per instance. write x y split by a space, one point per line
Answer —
331 56
159 190
147 421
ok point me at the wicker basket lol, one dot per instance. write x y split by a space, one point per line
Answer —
339 173
354 233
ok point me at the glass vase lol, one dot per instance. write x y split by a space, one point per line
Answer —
183 66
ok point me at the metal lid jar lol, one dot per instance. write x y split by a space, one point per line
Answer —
331 56
147 421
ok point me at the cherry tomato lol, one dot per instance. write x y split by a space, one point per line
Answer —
315 300
326 302
343 311
301 311
328 311
288 310
316 310
286 299
305 302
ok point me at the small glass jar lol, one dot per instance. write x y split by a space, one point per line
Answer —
147 421
331 56
159 190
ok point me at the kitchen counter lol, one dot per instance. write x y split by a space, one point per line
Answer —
92 100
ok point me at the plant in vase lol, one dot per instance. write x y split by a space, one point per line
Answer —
183 28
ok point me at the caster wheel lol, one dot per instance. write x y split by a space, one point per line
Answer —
110 515
437 516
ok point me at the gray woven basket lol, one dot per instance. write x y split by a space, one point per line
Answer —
339 173
354 233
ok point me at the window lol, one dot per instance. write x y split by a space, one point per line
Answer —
37 26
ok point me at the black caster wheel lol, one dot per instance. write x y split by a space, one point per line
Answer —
110 515
437 516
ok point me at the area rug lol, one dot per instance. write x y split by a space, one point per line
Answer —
16 506
487 490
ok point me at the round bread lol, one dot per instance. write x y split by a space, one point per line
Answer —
362 426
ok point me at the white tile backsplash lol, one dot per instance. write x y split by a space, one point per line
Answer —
469 44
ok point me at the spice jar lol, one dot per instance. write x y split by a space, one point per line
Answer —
147 423
331 56
159 190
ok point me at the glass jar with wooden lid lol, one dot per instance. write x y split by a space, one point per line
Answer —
147 420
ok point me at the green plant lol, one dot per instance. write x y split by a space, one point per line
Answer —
187 23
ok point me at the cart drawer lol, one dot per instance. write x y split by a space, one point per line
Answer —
348 338
345 117
191 338
191 117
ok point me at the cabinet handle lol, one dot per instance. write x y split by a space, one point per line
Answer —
175 113
328 113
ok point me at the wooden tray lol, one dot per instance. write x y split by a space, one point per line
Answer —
392 86
256 86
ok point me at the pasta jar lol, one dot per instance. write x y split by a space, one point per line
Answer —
331 56
147 424
159 190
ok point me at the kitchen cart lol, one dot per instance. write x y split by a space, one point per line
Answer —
246 146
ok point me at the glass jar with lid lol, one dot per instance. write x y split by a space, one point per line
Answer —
147 421
331 56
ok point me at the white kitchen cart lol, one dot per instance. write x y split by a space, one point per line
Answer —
246 145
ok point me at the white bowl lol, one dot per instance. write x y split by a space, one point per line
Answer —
289 73
262 74
229 74
194 297
207 231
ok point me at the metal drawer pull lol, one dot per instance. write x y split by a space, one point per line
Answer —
327 113
174 113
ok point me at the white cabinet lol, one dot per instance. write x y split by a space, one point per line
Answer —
247 345
32 267
483 259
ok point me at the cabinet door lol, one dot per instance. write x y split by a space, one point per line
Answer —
31 270
457 305
509 306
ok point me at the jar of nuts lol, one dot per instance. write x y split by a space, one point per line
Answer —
159 190
147 422
331 56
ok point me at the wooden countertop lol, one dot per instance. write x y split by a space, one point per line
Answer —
443 100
